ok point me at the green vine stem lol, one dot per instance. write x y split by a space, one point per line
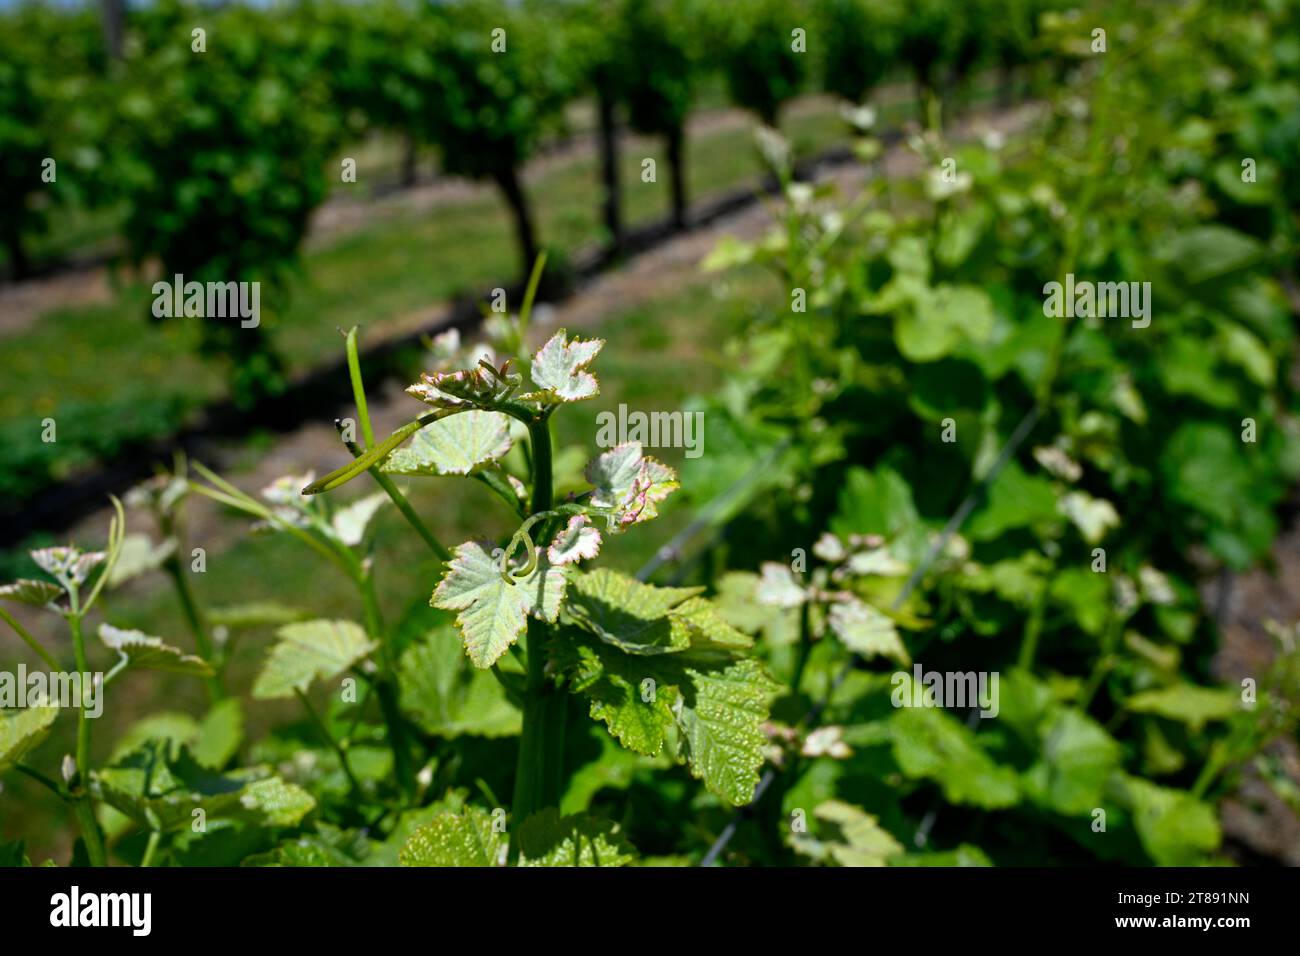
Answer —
539 771
85 812
386 688
198 626
151 848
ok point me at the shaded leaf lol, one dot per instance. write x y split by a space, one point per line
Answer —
150 653
307 651
28 591
22 731
547 839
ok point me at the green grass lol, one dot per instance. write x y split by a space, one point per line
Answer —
656 358
106 373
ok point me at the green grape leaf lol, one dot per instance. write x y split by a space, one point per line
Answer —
966 854
629 483
627 613
559 369
23 731
165 725
703 705
221 732
349 522
468 388
1077 758
1175 828
621 688
160 785
1015 499
492 610
846 835
455 839
940 319
547 839
28 591
706 628
1211 251
308 651
150 653
138 556
274 802
457 445
1092 516
446 696
576 541
778 587
929 743
867 631
1192 705
721 711
328 846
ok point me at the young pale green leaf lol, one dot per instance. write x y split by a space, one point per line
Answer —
68 563
23 731
576 541
559 369
446 696
1192 705
220 733
147 652
477 387
171 725
458 445
307 651
778 587
451 839
31 592
349 523
139 555
867 631
630 484
1092 516
274 802
547 839
493 610
847 836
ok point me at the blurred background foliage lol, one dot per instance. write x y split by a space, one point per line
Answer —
924 306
